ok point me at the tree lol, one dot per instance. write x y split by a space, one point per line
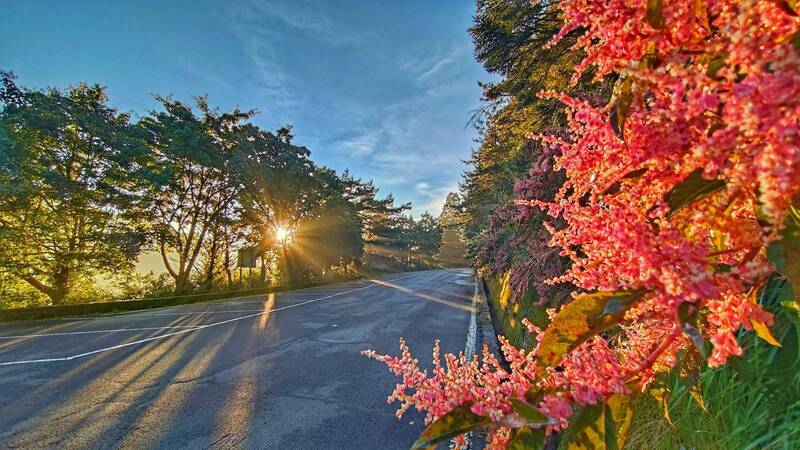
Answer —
427 235
374 213
194 180
452 215
278 179
67 165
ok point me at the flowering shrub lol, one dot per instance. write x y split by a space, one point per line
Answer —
516 244
677 208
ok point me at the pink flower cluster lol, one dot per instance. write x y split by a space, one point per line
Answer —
490 388
716 89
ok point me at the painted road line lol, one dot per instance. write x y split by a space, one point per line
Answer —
176 333
472 338
472 331
118 330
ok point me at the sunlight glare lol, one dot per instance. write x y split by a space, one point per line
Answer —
281 233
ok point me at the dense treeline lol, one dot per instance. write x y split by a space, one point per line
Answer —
85 190
505 239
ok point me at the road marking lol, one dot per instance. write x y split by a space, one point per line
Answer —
199 327
117 330
472 331
472 338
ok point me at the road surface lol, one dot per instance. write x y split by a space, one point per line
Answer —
270 371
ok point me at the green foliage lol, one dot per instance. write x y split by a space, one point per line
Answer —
693 188
603 426
581 319
84 190
458 421
66 205
751 404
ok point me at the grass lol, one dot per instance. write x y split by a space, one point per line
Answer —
753 403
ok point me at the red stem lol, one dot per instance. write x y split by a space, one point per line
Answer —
676 331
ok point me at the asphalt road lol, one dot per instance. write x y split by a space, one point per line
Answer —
275 371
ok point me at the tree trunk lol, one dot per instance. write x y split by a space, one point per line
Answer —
263 269
227 263
61 281
56 296
182 283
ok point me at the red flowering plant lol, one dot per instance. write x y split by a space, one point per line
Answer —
679 212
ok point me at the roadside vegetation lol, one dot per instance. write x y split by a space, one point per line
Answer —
639 251
86 190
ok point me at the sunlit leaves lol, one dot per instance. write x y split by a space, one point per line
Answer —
620 110
583 318
526 438
701 13
529 413
759 327
655 13
603 426
458 421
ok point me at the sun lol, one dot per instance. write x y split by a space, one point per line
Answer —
281 233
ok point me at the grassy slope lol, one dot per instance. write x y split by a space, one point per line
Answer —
754 403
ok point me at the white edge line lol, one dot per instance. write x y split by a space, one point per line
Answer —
199 327
472 331
472 336
115 330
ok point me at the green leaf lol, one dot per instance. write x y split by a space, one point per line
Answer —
603 426
526 438
529 413
688 317
792 306
619 113
785 255
617 305
458 421
796 42
581 319
693 188
655 13
715 64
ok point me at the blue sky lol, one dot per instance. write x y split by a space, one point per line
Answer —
384 88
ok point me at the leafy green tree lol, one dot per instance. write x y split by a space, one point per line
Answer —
510 38
375 214
67 166
427 235
331 238
194 180
452 215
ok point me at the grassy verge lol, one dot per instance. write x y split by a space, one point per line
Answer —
99 308
753 403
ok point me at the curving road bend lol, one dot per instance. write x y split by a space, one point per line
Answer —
277 371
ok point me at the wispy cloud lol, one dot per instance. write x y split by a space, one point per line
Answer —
393 111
